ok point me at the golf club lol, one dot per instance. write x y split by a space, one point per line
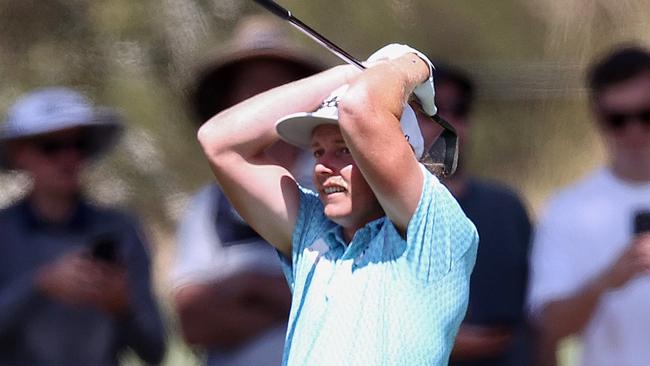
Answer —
285 14
442 156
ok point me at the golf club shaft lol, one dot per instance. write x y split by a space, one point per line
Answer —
448 138
283 13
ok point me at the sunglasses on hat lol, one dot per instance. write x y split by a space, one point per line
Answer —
617 120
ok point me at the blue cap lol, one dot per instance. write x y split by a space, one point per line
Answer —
48 110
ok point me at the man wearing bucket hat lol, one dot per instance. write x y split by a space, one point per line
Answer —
494 331
74 278
379 258
229 291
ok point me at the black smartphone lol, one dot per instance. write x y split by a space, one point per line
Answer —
104 248
641 222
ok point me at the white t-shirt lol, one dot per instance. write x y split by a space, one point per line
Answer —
206 251
202 257
584 230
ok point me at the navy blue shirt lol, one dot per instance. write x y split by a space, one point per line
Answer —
36 330
498 283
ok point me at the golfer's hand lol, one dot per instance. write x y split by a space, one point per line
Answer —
634 261
425 92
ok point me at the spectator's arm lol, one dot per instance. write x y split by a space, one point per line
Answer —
569 315
210 310
233 310
142 328
476 342
564 317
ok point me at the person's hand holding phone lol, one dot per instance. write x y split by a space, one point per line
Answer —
71 279
635 260
113 280
78 279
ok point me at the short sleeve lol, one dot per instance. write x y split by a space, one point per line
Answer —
310 223
439 235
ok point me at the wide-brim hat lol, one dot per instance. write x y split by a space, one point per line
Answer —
297 128
55 109
257 37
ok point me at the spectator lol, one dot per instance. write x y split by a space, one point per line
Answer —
379 259
230 293
589 271
494 331
74 277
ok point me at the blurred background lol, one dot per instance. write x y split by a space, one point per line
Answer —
532 129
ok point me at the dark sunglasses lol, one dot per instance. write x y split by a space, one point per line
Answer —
54 146
617 120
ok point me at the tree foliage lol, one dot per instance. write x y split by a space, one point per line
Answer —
528 58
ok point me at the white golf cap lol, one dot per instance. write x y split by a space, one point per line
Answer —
296 129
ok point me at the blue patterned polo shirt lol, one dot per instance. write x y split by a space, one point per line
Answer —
381 299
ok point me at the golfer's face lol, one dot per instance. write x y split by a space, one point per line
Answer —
346 196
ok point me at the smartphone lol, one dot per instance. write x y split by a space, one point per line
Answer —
641 222
104 248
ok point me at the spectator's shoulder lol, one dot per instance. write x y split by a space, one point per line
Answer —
207 194
9 214
585 189
115 216
497 195
496 190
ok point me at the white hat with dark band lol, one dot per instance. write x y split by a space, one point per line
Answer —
53 109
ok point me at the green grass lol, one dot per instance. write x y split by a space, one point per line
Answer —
568 352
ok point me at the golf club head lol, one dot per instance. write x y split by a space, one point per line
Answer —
442 157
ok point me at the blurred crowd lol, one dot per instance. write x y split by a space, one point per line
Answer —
75 280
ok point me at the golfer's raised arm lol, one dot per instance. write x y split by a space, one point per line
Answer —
263 193
369 117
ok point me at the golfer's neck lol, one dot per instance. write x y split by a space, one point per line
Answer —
349 231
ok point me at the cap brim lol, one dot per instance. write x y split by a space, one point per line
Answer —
297 129
103 132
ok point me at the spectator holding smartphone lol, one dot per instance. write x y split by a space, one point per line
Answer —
74 278
589 269
229 291
494 331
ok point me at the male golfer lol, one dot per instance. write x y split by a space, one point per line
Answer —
378 258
